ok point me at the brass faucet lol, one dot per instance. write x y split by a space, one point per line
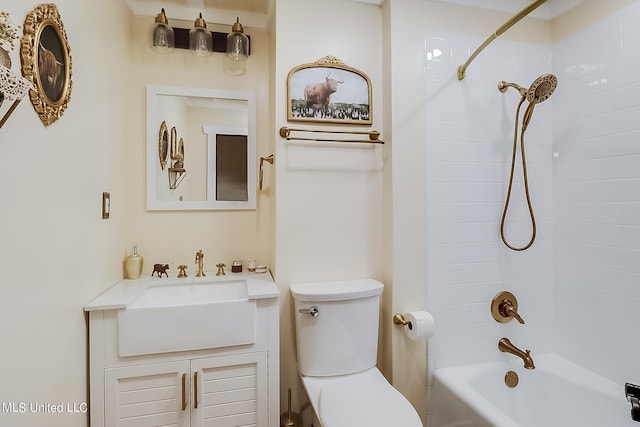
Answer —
506 346
200 262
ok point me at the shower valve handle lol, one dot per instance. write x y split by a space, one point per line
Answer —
507 309
504 307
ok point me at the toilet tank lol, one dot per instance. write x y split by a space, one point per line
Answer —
343 337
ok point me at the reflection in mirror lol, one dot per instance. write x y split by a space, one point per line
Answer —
231 167
163 144
217 129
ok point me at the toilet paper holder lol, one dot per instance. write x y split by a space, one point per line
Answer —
399 319
416 324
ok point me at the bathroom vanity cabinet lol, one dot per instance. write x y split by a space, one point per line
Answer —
236 385
223 390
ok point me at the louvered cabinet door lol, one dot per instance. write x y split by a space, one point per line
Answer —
148 395
230 391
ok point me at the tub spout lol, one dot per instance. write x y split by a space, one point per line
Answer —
506 346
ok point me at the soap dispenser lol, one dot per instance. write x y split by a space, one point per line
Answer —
133 264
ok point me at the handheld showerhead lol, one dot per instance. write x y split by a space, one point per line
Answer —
542 88
539 91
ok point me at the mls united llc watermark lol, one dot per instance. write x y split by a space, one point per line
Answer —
44 407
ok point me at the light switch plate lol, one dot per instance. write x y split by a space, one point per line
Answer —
106 205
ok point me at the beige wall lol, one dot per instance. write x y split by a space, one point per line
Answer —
176 236
584 15
329 201
56 252
405 62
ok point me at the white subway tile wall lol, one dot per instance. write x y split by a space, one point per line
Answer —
470 126
578 286
596 193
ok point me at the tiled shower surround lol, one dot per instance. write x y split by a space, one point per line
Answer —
578 286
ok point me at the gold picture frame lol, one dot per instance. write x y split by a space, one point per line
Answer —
328 91
46 62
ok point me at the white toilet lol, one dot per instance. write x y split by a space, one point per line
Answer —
337 344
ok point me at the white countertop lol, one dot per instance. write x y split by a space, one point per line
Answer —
123 293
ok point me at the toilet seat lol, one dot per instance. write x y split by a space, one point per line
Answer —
363 399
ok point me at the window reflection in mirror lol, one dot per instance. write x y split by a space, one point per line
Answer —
231 167
216 130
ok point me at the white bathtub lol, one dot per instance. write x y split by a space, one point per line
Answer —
556 393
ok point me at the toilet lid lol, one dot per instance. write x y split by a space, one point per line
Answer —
365 399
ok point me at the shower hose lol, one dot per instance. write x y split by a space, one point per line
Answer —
526 185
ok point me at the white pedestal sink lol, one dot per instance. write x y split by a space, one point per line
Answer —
170 317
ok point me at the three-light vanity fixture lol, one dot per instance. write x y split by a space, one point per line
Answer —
200 41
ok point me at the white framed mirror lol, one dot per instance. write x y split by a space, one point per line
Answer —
201 149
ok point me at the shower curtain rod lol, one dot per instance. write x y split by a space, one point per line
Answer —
510 23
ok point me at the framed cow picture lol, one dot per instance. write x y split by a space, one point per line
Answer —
46 62
328 91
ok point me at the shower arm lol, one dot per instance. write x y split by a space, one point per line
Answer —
503 86
510 23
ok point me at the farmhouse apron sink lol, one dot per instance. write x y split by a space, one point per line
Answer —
187 316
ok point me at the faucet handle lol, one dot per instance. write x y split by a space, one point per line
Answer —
504 307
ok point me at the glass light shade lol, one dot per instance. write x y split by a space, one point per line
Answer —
237 43
200 40
162 37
